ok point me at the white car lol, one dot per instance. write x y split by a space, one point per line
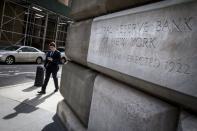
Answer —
16 53
64 58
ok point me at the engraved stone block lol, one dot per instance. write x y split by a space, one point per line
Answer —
155 43
117 107
77 87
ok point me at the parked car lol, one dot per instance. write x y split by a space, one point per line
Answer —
17 53
64 58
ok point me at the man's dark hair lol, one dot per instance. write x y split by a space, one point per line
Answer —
52 44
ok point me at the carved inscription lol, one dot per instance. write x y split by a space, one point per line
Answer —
144 61
178 67
180 24
117 38
170 66
130 42
161 43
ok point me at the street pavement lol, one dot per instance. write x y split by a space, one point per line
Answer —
18 73
22 109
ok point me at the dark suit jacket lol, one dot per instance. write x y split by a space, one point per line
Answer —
56 60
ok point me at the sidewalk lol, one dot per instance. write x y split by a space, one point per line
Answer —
23 110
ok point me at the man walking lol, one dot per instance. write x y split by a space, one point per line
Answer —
51 64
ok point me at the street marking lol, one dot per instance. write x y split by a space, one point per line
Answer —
17 73
22 73
4 74
27 83
11 71
9 67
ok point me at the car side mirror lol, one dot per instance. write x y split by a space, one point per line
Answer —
19 51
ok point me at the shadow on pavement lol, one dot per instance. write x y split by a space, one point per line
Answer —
56 125
25 107
31 88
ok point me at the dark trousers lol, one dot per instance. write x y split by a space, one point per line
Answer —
47 77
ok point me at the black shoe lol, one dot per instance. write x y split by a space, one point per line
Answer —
41 92
56 90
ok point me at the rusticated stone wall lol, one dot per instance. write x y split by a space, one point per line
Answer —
141 62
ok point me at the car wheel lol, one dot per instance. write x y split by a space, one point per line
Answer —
39 60
10 60
63 60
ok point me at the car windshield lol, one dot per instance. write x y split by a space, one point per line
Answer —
61 49
11 48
